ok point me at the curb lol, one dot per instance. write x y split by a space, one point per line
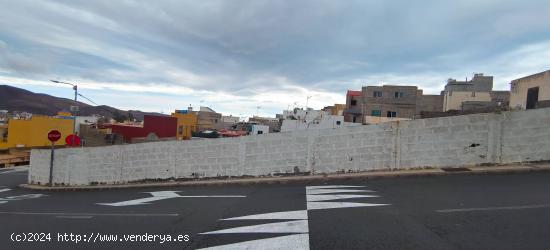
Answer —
303 179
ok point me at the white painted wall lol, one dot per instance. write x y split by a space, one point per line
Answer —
448 141
323 121
256 128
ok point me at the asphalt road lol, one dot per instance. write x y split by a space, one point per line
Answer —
447 212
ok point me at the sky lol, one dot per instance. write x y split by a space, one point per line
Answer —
259 57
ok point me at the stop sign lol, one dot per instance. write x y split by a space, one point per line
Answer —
54 135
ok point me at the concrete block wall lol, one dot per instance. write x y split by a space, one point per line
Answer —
442 142
438 142
525 136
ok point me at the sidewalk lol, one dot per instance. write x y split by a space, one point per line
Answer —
501 169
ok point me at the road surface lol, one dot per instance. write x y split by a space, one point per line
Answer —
494 211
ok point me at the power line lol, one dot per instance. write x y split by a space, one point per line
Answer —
88 99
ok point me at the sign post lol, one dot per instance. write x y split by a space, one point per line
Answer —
53 136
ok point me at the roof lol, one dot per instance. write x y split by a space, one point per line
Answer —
354 93
531 76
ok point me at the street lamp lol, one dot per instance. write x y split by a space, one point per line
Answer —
75 88
307 101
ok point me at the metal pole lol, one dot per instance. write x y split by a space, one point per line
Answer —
74 115
51 164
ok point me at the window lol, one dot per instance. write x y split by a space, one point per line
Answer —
376 113
338 122
377 94
180 130
260 132
353 102
391 114
398 94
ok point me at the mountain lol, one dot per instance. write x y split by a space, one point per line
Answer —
16 99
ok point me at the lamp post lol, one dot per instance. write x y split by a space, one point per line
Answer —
75 88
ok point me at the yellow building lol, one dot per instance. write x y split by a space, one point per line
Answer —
187 123
34 132
452 100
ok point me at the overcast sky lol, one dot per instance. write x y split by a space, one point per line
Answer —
236 55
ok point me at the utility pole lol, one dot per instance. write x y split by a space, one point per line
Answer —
307 101
258 111
73 110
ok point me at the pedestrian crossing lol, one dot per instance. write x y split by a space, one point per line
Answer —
296 222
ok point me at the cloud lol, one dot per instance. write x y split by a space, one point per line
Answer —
237 55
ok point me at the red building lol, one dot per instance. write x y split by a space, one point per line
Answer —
161 126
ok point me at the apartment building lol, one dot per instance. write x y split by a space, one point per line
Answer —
208 119
390 102
476 93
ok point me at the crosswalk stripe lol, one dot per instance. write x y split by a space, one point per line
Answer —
4 190
295 241
332 186
331 205
287 215
331 191
299 226
330 197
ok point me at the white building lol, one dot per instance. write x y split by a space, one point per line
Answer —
299 119
259 129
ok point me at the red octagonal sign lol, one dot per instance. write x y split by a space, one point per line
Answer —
54 135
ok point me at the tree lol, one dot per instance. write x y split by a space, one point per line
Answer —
117 116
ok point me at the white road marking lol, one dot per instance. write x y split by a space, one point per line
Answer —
330 197
332 186
21 197
163 195
15 170
288 215
331 191
4 190
74 217
331 205
295 241
491 208
91 214
298 226
316 198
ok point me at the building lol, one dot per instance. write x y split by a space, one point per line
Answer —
186 123
258 129
474 94
274 124
389 103
154 128
229 121
300 119
531 91
336 109
80 120
208 119
33 131
352 112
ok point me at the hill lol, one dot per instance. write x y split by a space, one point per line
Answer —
16 99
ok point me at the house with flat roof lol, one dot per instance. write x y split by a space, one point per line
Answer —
530 92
